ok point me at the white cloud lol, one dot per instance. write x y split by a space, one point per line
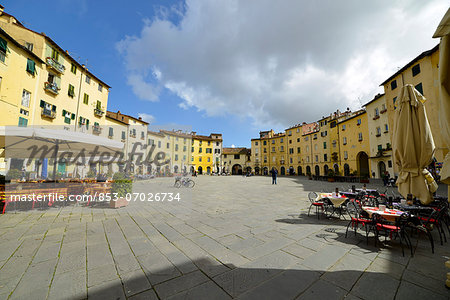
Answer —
277 63
147 118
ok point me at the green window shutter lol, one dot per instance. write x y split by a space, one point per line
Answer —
64 113
123 135
53 107
31 66
66 120
42 104
3 45
73 117
80 120
111 131
96 124
87 124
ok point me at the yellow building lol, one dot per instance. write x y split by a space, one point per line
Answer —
270 151
294 138
66 95
353 155
236 161
202 155
422 73
177 145
380 153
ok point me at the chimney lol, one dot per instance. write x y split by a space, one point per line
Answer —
140 118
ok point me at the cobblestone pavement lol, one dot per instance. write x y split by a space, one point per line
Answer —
228 237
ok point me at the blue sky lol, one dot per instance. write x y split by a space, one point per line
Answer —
234 67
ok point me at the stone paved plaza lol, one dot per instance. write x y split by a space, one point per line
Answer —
228 237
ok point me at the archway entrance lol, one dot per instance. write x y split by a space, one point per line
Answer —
200 170
381 168
317 170
346 170
248 170
308 170
236 170
325 170
282 171
192 169
336 169
291 171
363 164
266 171
175 169
208 170
299 170
256 170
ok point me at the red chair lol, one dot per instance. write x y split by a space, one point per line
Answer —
356 219
312 196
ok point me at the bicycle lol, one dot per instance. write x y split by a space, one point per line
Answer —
184 181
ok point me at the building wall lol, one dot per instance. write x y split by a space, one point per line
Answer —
200 156
379 136
242 159
428 77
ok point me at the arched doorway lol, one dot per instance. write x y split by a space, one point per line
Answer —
266 171
381 168
200 170
336 169
308 170
236 170
291 171
175 169
346 170
363 164
325 170
317 170
192 169
149 169
282 171
256 170
208 170
299 170
248 170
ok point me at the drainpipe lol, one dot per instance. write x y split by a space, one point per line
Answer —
78 102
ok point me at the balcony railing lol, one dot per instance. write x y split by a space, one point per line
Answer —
51 87
98 112
96 129
58 67
48 113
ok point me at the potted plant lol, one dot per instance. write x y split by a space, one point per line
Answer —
330 175
122 186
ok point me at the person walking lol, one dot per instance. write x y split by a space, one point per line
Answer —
274 175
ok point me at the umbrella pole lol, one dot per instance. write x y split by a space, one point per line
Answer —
54 163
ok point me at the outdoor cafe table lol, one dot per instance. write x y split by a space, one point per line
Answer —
388 214
336 201
413 208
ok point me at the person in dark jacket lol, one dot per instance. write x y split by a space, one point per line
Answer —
274 175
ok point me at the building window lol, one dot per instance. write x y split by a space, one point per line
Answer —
393 84
290 160
176 147
192 158
184 148
23 122
73 69
343 127
26 95
298 150
24 112
159 144
265 150
123 135
345 154
325 158
88 79
192 149
237 156
377 112
298 140
55 54
306 139
358 122
86 99
273 149
419 88
274 159
100 87
386 128
344 141
281 140
209 159
208 150
176 157
265 143
71 91
378 131
199 150
317 158
168 145
3 49
111 132
273 141
282 148
307 148
200 159
360 137
324 145
29 46
389 163
416 70
256 143
31 66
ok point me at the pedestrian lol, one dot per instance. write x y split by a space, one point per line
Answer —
274 175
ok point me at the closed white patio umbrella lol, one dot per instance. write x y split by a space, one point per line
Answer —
413 146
